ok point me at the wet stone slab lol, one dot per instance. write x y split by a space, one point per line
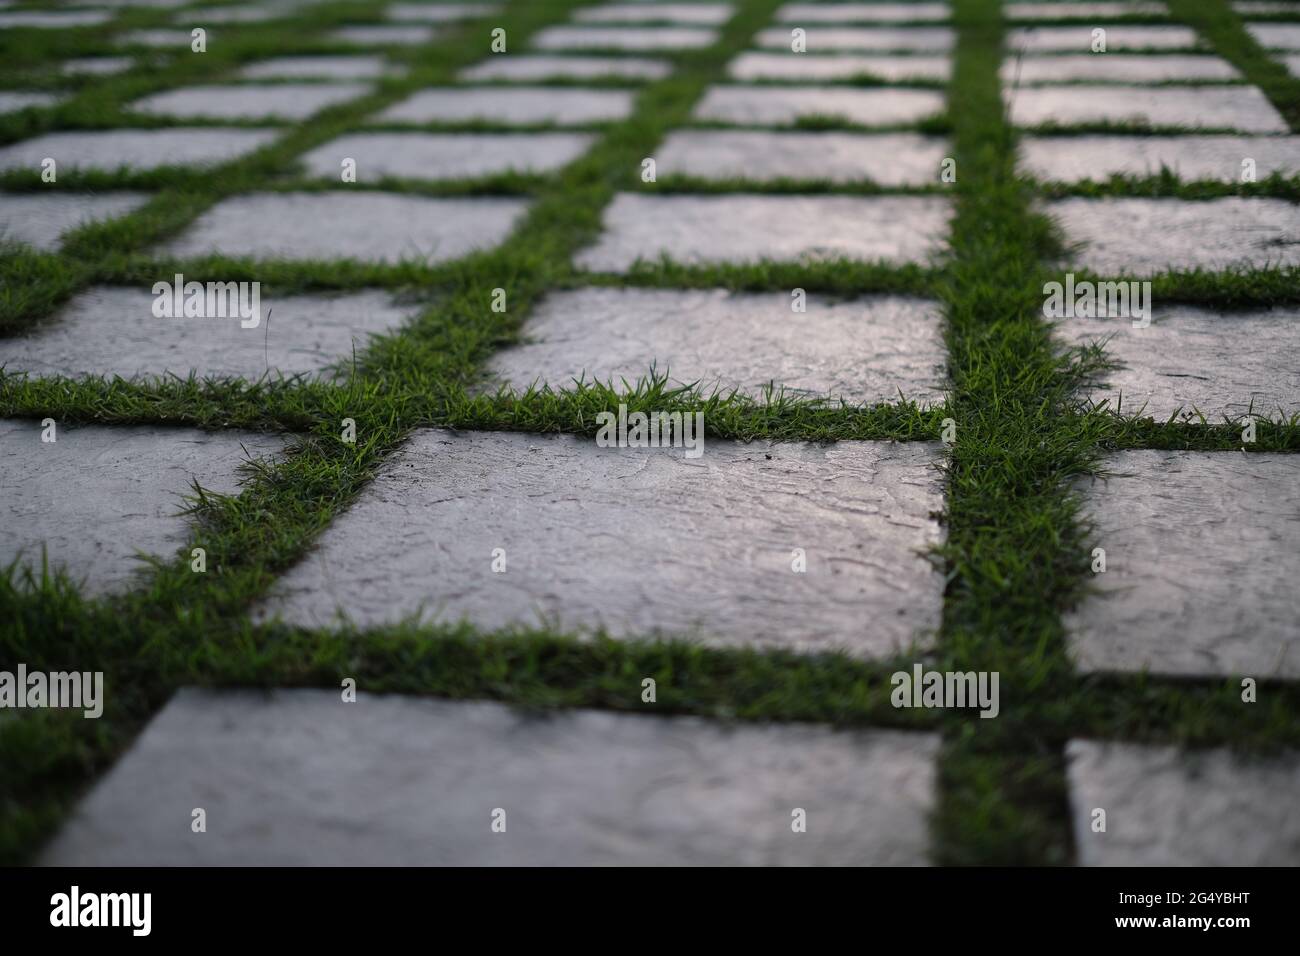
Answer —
742 228
624 38
1063 10
820 39
1202 555
511 106
1242 108
278 101
1116 68
866 350
825 67
13 101
705 544
1167 806
137 149
526 68
41 220
1276 36
1080 39
577 788
798 14
111 331
1145 236
887 159
700 14
785 105
98 495
356 225
1073 159
445 155
320 68
407 34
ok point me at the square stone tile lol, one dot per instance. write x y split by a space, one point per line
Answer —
704 547
12 101
440 12
1202 555
526 68
276 101
1242 108
406 34
320 68
1276 36
446 155
624 38
820 39
1118 37
1116 68
739 228
1146 236
52 20
864 351
1220 363
786 105
111 330
829 67
99 495
1074 159
97 65
354 225
1063 10
798 14
887 159
578 788
41 220
699 14
517 105
1167 806
135 148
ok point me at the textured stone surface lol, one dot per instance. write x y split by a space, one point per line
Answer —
623 38
742 228
797 14
866 350
783 105
566 67
136 148
113 331
515 105
41 219
1218 363
406 34
1276 36
1242 108
820 39
12 101
281 101
424 776
1144 236
54 20
794 66
439 12
641 541
365 226
444 155
1170 807
706 14
97 65
888 159
1202 556
1080 39
1063 10
1075 159
1116 68
320 68
99 495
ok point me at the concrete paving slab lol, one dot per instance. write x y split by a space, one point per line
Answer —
798 14
406 34
699 14
1292 64
97 65
794 66
1242 108
1255 8
516 105
1073 159
320 68
1276 36
1116 68
785 105
41 220
137 149
276 101
11 101
525 68
440 12
446 155
177 40
1062 10
202 16
1080 39
52 20
821 39
624 38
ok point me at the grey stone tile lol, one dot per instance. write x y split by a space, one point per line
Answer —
13 101
516 105
867 350
784 105
1171 807
355 225
320 68
440 12
1062 10
97 65
279 101
1242 108
1116 68
1276 36
795 66
135 148
1074 159
740 228
113 331
52 20
202 16
42 219
1255 8
888 159
704 545
162 39
446 155
1118 37
821 39
1292 64
98 496
623 38
406 34
578 788
700 14
1202 554
798 14
1146 236
525 68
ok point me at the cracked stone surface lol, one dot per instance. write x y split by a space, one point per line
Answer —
41 220
55 20
407 34
640 541
110 330
700 14
360 226
1145 236
742 228
1242 108
440 13
793 66
578 788
866 350
1073 159
1276 36
527 67
97 65
1060 10
818 38
1080 39
1117 68
446 155
1167 806
135 148
12 102
624 38
1219 363
783 105
888 159
797 14
281 101
320 68
98 496
1202 556
514 105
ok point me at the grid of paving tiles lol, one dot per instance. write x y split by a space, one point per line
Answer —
360 184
